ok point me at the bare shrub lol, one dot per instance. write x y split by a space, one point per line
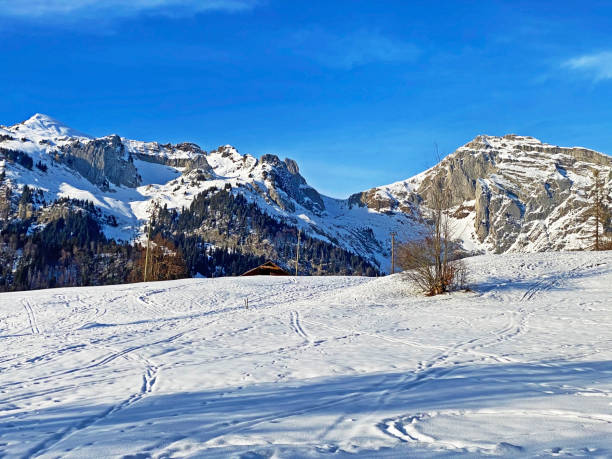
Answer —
431 262
418 260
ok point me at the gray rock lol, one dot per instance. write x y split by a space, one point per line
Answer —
287 183
189 164
526 195
101 161
169 155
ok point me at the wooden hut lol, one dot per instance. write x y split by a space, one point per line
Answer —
267 269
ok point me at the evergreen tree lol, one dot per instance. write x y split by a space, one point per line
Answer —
599 210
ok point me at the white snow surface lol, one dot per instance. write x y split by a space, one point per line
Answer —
41 126
316 366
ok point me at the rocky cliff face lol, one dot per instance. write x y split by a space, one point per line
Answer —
101 161
276 181
286 185
518 193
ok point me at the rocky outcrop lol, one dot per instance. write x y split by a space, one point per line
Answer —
287 184
481 208
101 161
187 163
523 194
184 155
54 212
460 173
386 200
379 201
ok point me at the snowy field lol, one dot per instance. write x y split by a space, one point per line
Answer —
317 366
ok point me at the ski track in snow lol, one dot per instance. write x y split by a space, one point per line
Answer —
148 381
314 366
31 317
296 326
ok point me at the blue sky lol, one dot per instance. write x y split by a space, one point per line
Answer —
358 92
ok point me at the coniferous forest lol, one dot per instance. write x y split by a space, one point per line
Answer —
62 243
238 226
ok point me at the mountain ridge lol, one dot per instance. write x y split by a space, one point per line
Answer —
510 193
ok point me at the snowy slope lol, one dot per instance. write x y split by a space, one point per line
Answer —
518 367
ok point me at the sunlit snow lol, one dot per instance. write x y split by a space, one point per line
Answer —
315 366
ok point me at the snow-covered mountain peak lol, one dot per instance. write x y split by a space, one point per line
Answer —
228 151
507 142
509 193
521 144
42 118
45 127
227 162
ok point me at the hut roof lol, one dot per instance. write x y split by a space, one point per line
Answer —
267 269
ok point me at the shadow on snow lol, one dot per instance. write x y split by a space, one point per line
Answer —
157 421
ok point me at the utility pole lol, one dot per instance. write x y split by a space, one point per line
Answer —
147 252
392 253
297 252
144 277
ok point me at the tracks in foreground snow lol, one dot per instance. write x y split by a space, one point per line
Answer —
31 317
554 281
499 352
404 428
149 378
146 387
296 326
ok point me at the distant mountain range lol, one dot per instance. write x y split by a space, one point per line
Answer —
509 193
